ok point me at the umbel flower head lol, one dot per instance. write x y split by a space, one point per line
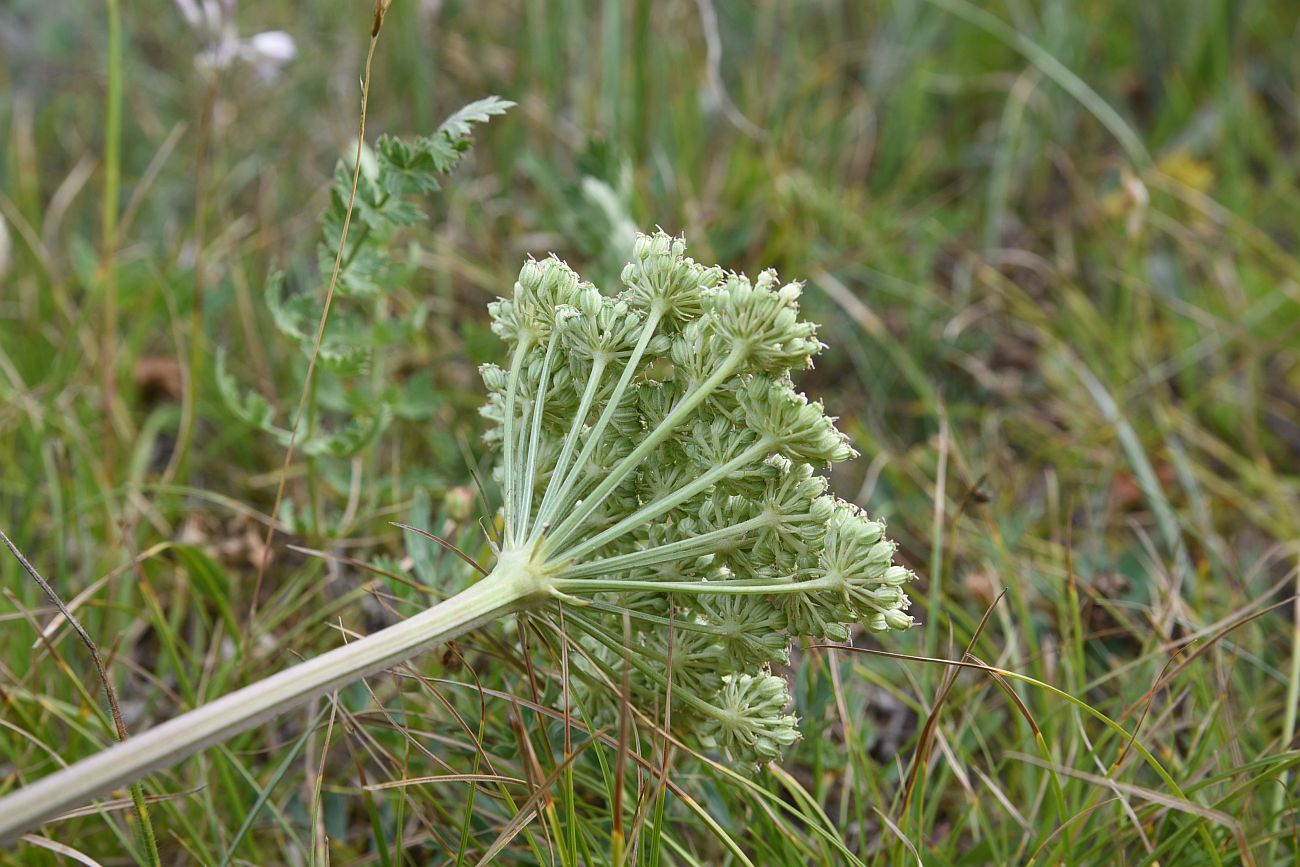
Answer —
663 480
659 468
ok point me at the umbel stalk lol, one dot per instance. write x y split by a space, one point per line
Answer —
506 589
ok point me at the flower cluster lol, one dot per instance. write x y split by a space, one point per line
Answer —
659 469
214 20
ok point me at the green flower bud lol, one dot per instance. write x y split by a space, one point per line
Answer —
752 630
697 661
458 503
896 576
820 614
661 276
860 563
541 290
764 321
795 428
896 619
494 378
608 329
752 727
696 354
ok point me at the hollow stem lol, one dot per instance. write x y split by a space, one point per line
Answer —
513 585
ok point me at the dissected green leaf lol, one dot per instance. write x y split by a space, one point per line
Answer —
289 316
417 398
405 168
461 122
342 360
250 407
369 266
352 437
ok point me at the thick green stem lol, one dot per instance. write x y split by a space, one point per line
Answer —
510 587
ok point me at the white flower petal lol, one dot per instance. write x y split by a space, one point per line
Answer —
190 10
274 46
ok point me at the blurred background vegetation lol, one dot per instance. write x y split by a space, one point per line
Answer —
1054 246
